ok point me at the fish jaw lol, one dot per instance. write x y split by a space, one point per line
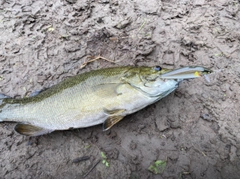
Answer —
161 87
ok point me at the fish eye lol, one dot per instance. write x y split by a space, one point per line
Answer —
157 68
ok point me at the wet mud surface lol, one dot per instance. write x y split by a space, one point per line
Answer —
195 129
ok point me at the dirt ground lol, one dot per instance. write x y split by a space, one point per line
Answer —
195 130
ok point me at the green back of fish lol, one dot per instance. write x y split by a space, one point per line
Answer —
109 73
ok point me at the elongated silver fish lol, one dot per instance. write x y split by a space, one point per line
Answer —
101 96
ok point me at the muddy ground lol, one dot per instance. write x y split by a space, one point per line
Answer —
195 130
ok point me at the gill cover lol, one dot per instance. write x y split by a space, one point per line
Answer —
148 81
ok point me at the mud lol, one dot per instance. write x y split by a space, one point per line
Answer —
195 129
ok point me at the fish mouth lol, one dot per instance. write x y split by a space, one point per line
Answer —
186 73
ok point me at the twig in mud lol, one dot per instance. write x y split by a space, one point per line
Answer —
143 24
94 59
91 168
226 54
117 38
80 159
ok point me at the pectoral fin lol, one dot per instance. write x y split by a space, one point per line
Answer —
30 130
110 121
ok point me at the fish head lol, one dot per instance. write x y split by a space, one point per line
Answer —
157 81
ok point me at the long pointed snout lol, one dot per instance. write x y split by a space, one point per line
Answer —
186 73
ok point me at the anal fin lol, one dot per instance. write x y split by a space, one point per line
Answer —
30 130
110 121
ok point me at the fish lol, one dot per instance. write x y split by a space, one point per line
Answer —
103 96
